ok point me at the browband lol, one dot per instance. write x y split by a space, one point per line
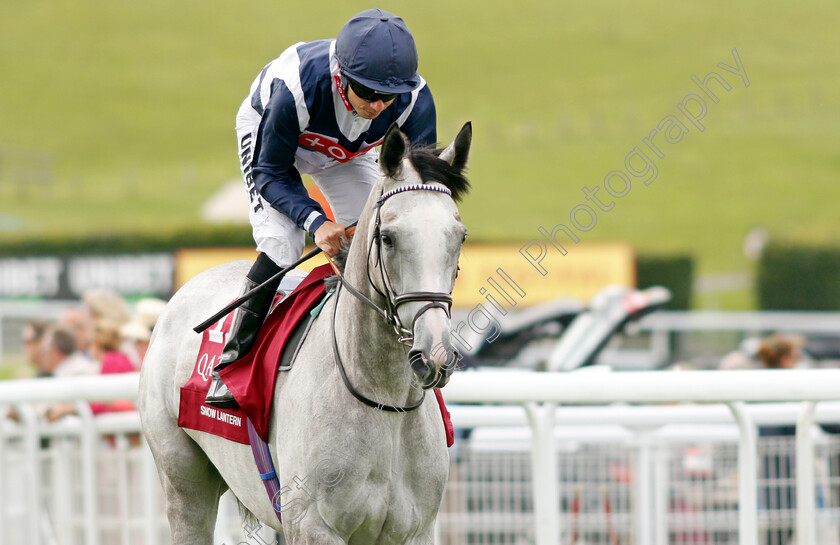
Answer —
415 187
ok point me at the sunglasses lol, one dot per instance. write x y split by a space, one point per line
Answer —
369 95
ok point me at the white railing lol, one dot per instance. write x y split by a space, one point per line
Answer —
534 400
662 325
541 394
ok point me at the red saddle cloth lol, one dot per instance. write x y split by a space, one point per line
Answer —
251 379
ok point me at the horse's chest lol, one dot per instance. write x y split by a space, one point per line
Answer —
390 513
388 505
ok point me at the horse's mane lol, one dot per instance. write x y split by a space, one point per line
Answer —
431 169
434 169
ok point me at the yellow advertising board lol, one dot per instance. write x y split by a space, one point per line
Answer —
496 271
501 272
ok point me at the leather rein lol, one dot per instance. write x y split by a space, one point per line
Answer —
392 301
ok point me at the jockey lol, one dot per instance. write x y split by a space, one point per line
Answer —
320 108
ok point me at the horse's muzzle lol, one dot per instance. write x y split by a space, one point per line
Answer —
433 368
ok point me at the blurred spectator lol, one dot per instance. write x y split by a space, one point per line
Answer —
107 305
780 351
61 356
32 335
105 349
737 361
106 346
742 358
80 320
138 331
681 366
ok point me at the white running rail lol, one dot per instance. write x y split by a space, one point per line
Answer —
801 397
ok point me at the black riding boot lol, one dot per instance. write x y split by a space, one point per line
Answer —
246 324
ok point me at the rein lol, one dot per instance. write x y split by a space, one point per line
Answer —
361 397
393 301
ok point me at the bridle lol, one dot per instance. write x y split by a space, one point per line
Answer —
392 300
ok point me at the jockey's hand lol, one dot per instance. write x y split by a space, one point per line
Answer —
330 237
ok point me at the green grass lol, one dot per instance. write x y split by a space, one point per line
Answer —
135 103
15 368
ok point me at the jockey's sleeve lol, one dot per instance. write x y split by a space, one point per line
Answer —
421 125
275 175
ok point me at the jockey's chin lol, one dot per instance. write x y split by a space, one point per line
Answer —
371 110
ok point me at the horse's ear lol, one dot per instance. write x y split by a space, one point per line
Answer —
457 153
394 146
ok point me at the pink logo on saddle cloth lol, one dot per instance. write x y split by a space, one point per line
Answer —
193 413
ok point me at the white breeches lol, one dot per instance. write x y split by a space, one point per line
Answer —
345 185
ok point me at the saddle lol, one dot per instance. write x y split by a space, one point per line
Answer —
251 379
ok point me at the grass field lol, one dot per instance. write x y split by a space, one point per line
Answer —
134 103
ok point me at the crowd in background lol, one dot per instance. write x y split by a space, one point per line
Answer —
101 335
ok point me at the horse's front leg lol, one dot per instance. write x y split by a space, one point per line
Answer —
425 538
311 530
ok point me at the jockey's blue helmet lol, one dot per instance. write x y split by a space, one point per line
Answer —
376 49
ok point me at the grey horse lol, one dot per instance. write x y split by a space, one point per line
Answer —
350 472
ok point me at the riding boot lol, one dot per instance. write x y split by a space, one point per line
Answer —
247 320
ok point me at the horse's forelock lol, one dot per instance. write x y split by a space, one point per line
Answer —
434 169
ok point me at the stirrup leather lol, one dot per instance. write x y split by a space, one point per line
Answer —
219 395
247 321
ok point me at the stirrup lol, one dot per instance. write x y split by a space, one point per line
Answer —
219 395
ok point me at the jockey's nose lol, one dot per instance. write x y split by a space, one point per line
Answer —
378 105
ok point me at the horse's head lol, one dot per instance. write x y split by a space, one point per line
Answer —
417 235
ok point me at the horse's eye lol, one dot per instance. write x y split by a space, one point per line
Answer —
386 240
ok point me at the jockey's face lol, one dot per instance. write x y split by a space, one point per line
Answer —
367 110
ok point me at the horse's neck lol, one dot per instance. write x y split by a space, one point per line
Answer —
375 362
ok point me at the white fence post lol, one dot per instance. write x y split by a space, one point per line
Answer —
89 455
806 519
747 476
150 498
661 481
3 464
33 466
644 489
544 473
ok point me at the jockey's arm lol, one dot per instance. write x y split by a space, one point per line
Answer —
275 175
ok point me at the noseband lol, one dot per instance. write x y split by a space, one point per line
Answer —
392 300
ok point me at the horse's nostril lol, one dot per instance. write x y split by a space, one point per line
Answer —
420 365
